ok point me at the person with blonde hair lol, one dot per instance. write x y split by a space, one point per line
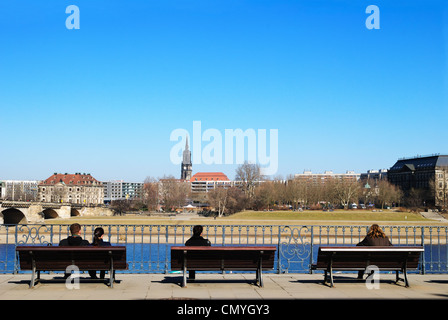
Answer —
375 237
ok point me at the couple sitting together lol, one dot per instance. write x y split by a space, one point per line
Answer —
76 240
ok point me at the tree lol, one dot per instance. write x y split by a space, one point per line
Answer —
120 206
387 193
226 200
346 191
173 193
249 175
150 194
217 198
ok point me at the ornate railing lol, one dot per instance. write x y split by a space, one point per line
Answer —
148 246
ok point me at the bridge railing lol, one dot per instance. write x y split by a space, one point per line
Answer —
148 246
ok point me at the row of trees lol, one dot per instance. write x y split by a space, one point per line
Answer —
255 192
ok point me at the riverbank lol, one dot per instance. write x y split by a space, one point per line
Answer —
310 217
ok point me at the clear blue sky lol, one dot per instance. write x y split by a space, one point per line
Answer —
104 99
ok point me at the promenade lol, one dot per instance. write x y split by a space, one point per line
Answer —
224 286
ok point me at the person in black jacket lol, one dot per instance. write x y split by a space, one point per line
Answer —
98 241
196 240
375 237
75 239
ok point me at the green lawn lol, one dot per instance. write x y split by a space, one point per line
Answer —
261 217
338 215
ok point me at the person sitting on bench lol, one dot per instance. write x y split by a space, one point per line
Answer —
375 237
196 240
75 239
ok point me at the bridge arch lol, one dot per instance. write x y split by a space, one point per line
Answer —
74 212
50 214
13 216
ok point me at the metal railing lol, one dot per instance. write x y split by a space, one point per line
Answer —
148 246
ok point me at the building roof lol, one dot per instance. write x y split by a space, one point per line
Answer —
209 176
71 179
420 163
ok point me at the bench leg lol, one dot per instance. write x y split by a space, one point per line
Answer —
184 277
184 271
331 278
111 271
405 275
260 277
33 277
33 274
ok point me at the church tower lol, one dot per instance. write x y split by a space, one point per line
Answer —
186 167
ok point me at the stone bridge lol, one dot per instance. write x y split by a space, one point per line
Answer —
18 212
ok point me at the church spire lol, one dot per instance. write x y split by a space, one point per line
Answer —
186 167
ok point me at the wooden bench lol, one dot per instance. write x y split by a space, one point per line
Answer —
399 259
58 258
251 258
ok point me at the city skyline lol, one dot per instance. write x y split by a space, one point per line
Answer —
105 98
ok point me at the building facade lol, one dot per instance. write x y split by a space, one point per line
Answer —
121 190
321 178
71 188
19 190
425 176
207 181
374 175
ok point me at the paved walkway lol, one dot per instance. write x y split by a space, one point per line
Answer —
223 286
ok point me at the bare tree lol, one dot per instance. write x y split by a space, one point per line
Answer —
120 206
387 193
346 191
151 193
249 174
217 198
173 192
227 200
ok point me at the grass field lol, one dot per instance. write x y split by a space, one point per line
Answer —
262 218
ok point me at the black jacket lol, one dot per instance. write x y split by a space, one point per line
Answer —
74 241
102 243
371 241
197 241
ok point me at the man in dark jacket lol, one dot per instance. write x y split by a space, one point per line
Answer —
196 240
75 239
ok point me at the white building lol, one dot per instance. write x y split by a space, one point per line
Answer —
121 190
309 176
19 190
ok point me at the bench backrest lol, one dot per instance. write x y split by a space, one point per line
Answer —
221 258
85 258
382 257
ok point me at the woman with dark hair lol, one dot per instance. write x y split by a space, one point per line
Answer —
99 242
98 238
375 237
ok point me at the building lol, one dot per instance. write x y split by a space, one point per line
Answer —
207 181
72 188
186 166
19 190
374 175
321 178
121 190
427 174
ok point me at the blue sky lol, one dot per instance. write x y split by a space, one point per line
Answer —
104 99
